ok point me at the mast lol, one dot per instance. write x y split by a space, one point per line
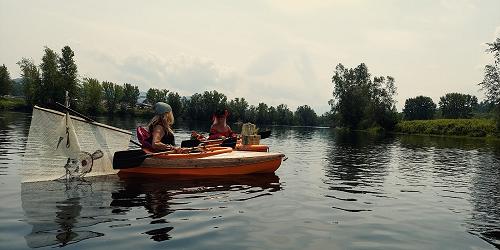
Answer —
66 104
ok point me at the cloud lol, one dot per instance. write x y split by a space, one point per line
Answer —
274 77
183 74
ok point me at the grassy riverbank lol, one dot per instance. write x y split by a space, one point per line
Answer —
449 127
12 103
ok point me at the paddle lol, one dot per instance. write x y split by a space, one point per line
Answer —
265 134
196 142
133 158
226 143
86 118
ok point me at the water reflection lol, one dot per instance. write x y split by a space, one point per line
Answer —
464 169
14 129
357 162
485 197
62 214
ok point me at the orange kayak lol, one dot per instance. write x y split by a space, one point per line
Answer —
231 163
214 150
256 148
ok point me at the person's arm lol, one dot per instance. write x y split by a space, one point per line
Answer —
214 134
157 145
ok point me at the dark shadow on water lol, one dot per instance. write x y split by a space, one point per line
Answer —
60 213
157 194
63 214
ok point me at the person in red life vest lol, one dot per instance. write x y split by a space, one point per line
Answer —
220 129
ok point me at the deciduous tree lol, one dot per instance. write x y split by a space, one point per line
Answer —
419 108
31 81
113 93
91 95
456 105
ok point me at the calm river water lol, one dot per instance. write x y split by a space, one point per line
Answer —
335 191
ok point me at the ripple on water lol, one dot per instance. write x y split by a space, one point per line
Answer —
336 191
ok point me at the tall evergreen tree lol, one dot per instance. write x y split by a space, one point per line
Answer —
5 81
68 72
51 90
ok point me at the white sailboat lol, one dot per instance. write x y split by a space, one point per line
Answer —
63 146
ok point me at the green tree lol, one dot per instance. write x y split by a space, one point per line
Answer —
262 114
361 102
155 95
68 72
305 116
272 114
237 107
31 81
351 93
491 80
113 93
5 81
284 115
251 114
17 87
174 100
51 90
91 95
382 108
200 107
326 119
419 108
212 101
456 105
130 96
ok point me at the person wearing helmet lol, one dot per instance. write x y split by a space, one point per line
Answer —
160 128
220 129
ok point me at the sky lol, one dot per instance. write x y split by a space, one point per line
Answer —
265 51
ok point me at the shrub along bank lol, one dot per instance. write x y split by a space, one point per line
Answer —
450 127
10 103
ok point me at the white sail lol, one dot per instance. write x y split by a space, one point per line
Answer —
96 142
66 143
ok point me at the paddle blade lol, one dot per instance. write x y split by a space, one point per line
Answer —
190 143
128 159
229 142
265 134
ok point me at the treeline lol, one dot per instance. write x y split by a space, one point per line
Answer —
46 84
462 106
201 106
360 100
451 106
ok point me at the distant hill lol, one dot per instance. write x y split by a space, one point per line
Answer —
17 87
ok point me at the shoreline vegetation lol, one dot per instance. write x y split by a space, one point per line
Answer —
360 101
475 127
